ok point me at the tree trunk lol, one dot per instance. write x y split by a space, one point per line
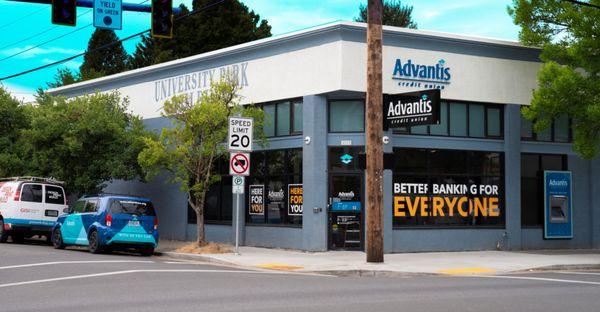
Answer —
198 206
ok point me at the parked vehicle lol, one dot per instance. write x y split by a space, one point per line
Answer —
107 222
29 206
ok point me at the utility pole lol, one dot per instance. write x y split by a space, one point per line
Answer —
374 133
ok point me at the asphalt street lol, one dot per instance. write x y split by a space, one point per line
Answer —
35 277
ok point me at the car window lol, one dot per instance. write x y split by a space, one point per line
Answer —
79 206
91 206
55 195
31 193
135 207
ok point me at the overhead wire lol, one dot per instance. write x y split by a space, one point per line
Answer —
108 45
50 40
22 18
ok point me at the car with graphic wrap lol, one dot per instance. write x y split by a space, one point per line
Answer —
106 222
29 206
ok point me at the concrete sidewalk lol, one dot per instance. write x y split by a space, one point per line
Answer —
353 262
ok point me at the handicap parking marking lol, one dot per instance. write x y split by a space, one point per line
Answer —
71 262
115 273
532 278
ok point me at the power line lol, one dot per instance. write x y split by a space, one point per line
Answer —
22 18
208 6
40 33
53 39
582 3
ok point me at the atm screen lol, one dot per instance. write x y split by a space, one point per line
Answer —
558 209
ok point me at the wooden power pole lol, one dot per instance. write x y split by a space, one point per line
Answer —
374 133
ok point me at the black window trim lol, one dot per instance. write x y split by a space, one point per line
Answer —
534 137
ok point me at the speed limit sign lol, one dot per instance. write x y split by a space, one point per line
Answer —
240 134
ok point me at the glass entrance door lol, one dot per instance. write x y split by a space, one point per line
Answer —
345 212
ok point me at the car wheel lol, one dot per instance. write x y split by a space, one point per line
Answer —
17 238
3 234
57 240
94 243
147 252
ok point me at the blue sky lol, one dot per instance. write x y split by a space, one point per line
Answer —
487 18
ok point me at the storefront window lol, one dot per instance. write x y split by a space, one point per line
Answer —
275 188
532 185
347 116
435 187
283 118
476 120
464 120
442 127
494 126
558 131
458 119
217 204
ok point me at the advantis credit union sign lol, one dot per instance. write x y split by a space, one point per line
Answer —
412 109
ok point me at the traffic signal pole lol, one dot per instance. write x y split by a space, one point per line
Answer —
132 7
374 133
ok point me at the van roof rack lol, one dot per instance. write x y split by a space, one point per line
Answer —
113 194
33 179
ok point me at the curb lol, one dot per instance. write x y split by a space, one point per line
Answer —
562 267
195 257
369 273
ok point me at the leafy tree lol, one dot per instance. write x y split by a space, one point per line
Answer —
569 80
190 149
394 14
14 118
84 141
63 77
213 28
104 61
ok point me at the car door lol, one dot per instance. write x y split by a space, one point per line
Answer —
72 229
31 206
54 202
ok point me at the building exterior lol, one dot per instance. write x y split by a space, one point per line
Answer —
311 85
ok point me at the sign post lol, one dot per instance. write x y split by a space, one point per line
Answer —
239 144
237 188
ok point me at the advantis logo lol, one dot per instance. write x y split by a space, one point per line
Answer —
420 108
412 108
346 159
562 183
417 75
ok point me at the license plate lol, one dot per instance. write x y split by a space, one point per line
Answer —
133 223
51 213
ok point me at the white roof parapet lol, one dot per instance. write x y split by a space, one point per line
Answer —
337 25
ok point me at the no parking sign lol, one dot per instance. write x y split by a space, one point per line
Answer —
239 164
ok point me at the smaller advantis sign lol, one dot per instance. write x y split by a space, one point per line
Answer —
257 199
108 14
412 109
295 200
558 204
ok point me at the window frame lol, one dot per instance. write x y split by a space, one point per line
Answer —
540 184
29 201
64 196
534 135
428 175
291 101
329 101
468 104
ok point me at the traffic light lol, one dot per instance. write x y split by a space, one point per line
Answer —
162 18
64 12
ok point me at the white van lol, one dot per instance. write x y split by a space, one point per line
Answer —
29 206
